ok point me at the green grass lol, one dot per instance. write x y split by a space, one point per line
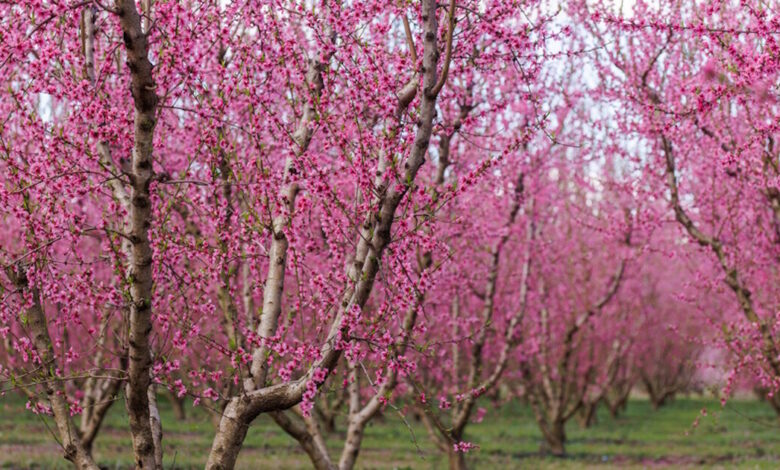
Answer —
743 435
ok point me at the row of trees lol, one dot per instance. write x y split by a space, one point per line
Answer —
302 209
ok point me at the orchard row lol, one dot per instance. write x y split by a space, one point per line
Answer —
304 208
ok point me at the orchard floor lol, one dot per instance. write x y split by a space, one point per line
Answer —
743 435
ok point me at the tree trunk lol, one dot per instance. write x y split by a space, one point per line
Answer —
326 419
308 436
231 432
457 460
617 406
586 417
554 438
329 424
618 403
105 395
140 216
156 424
177 404
656 402
54 385
657 398
351 446
660 399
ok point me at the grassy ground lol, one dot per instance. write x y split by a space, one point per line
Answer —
743 435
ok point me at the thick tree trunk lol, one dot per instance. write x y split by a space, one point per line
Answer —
216 418
231 432
554 438
657 402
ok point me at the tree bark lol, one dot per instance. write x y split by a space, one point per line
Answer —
457 460
587 416
140 217
104 398
239 413
554 438
658 394
73 448
617 406
327 415
309 438
156 424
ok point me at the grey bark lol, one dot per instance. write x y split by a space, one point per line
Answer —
140 263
